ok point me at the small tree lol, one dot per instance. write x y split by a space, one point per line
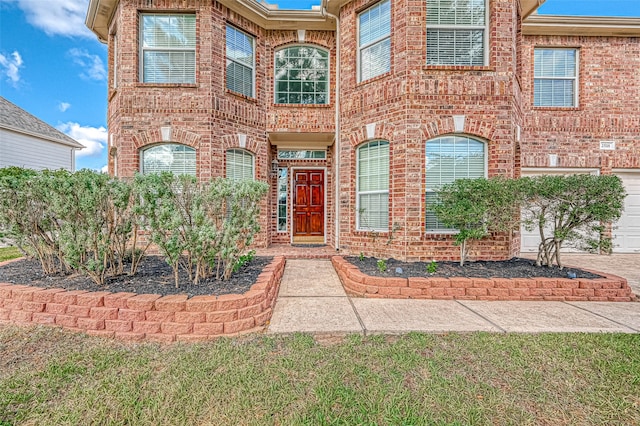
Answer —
476 208
569 211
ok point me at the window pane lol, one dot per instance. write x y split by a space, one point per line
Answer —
169 31
455 47
373 185
168 48
374 40
555 77
456 12
169 67
374 211
375 59
449 158
375 23
239 46
240 62
282 199
456 32
239 164
301 71
177 159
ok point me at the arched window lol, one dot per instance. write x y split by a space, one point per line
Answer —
449 158
301 75
239 164
372 186
174 158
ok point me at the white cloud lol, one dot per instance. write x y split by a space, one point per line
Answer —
104 169
10 67
93 138
57 17
63 106
93 66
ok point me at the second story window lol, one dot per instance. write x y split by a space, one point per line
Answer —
374 41
168 48
555 78
456 32
240 62
301 75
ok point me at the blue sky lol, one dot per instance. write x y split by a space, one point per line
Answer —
52 66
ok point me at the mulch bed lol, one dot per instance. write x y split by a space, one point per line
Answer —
154 276
513 268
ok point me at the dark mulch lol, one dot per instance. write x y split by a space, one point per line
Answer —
154 275
513 268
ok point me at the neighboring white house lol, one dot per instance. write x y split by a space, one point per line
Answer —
26 141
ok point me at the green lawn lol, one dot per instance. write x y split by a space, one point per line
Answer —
52 377
7 253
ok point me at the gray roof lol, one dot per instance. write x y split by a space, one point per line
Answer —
18 120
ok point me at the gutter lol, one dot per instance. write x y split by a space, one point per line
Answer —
337 126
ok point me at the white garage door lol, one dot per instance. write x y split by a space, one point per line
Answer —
626 232
529 240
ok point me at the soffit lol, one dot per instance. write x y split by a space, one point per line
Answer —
291 140
581 26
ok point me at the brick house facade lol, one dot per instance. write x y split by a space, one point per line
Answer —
390 112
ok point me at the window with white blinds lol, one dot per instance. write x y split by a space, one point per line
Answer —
555 77
302 75
168 48
239 164
174 158
240 62
372 181
456 32
449 158
374 41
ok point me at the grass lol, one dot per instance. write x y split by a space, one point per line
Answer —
8 253
54 377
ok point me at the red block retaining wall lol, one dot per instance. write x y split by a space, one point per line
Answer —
151 317
611 288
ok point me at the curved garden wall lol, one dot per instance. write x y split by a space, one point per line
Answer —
149 317
611 288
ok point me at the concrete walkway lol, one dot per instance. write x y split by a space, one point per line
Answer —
312 300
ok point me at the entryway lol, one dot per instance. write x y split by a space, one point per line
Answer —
308 206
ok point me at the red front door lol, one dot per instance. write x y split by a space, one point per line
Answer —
308 203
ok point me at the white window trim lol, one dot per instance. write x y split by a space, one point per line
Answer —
575 78
432 190
377 41
328 94
485 38
253 161
253 67
142 49
358 192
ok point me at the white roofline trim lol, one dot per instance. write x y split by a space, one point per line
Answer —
581 26
77 145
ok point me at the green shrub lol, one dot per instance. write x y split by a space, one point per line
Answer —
570 211
202 228
475 208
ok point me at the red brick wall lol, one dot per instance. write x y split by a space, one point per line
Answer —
414 103
409 105
608 108
205 115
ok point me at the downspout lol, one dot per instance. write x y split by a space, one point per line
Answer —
337 126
